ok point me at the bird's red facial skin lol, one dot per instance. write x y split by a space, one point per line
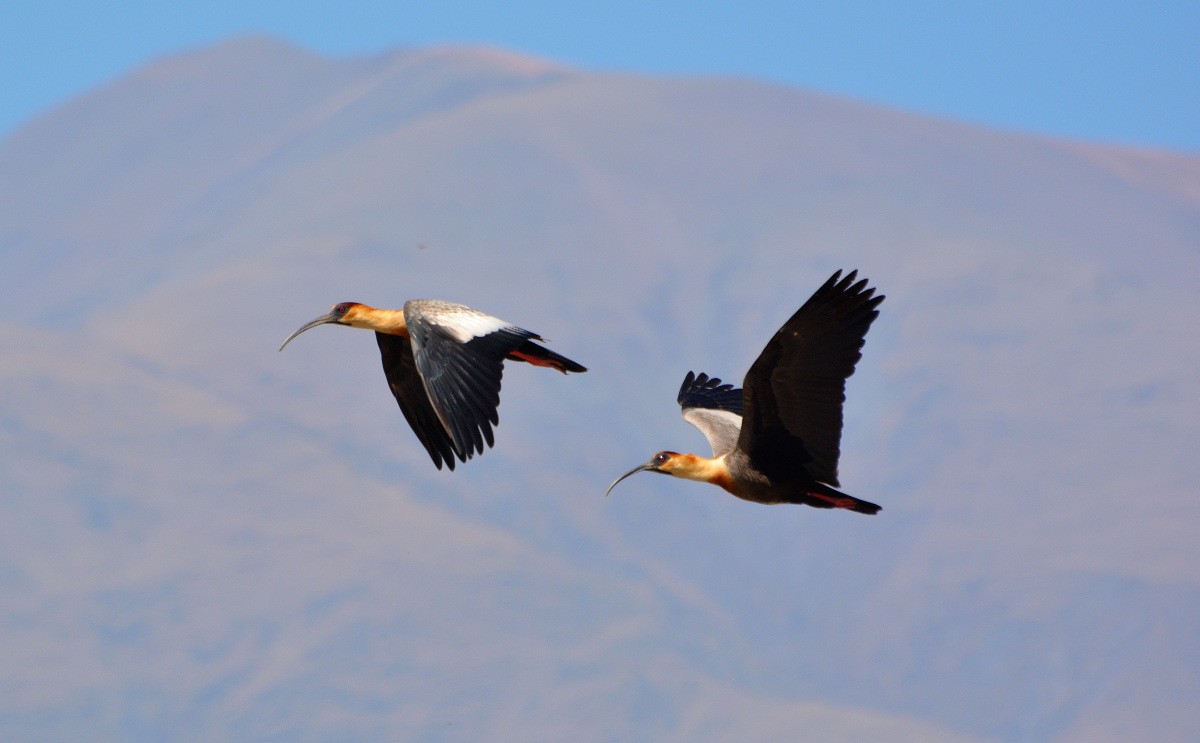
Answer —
345 311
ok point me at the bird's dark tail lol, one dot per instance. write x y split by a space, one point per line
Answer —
827 497
532 353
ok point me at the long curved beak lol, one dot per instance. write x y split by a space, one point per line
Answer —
647 467
328 317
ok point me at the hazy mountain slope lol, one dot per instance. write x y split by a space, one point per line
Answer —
206 539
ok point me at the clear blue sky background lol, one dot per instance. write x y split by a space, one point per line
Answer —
1109 70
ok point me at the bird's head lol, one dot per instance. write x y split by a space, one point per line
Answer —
664 462
343 313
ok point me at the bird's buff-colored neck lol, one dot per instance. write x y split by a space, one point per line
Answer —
702 469
390 322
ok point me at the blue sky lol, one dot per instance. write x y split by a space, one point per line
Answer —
1106 70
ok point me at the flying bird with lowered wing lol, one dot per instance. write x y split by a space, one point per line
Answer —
777 440
443 362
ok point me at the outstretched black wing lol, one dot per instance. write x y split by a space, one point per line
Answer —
794 391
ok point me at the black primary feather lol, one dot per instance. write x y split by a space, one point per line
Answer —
702 391
463 380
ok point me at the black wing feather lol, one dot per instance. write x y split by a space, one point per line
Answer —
707 392
794 391
401 371
463 380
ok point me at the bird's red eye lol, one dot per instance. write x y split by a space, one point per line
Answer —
661 458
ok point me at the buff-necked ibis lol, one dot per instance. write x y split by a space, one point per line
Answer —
777 440
443 362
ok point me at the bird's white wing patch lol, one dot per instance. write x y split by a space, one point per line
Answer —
720 427
458 320
467 325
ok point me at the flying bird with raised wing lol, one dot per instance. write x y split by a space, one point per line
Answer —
778 439
443 362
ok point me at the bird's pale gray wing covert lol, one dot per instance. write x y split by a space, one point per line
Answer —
795 390
401 370
462 377
712 407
